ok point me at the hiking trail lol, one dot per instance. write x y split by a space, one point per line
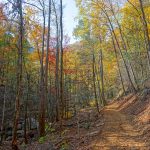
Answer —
118 132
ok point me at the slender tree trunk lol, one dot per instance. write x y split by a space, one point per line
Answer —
99 86
126 67
57 64
146 30
26 110
42 95
121 78
61 68
125 48
47 56
102 78
39 55
3 90
115 37
3 114
19 76
94 84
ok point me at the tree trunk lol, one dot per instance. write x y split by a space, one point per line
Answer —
57 64
47 65
102 78
26 110
61 68
19 76
3 114
146 30
115 37
94 84
126 50
42 95
121 78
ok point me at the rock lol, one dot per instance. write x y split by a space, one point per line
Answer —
69 124
32 134
94 133
9 125
47 146
20 133
19 127
9 133
9 138
100 124
34 123
9 128
144 94
147 83
20 140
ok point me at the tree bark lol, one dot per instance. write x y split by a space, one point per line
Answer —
102 78
57 64
61 67
94 84
115 37
146 30
121 78
42 95
47 65
19 76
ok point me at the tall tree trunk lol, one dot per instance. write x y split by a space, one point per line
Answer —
102 77
99 85
57 64
26 110
61 68
19 76
146 30
124 47
3 113
117 59
42 95
115 37
145 27
94 84
124 62
47 56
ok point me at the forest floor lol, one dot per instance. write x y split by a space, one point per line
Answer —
124 124
119 132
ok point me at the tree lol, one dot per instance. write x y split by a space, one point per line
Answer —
61 66
145 30
19 74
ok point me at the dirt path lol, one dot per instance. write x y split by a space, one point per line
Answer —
119 133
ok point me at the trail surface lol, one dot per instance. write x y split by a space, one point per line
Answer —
119 133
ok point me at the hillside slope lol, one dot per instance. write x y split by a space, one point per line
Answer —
122 125
123 128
